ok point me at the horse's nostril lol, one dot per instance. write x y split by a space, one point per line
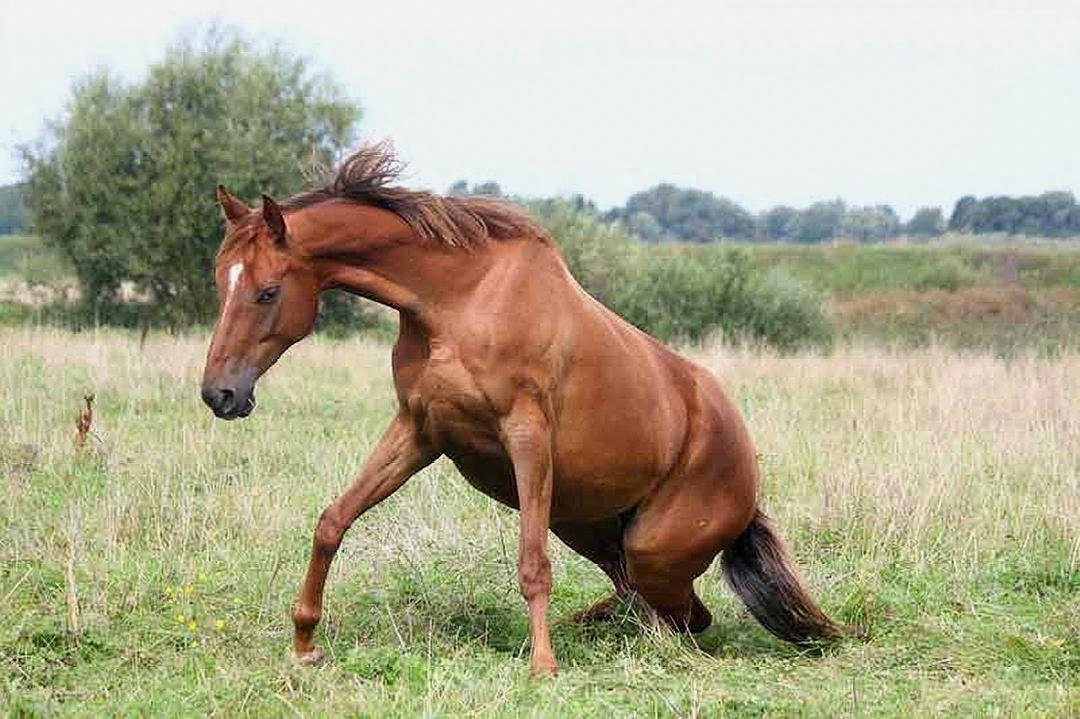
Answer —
210 396
218 399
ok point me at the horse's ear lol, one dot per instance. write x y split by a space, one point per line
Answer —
274 219
234 209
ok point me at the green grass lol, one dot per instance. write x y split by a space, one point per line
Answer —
929 496
25 257
952 264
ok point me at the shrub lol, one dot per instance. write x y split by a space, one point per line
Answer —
945 273
685 293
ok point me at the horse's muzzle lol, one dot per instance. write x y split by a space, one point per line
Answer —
229 402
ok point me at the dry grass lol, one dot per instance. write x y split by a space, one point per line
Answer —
929 495
1009 319
919 446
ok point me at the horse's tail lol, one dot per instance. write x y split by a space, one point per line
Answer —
759 570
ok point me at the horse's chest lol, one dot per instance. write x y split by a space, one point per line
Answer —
454 413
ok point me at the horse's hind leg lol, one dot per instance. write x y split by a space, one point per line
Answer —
676 535
664 578
601 543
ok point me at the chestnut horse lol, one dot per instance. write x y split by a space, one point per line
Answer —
543 398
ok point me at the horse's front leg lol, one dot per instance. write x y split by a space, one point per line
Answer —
398 455
527 437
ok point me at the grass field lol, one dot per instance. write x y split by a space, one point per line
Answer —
24 257
1004 295
948 263
930 496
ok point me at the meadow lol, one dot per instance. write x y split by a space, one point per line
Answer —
930 495
1004 294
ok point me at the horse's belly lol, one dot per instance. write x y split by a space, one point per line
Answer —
598 473
586 493
573 497
607 455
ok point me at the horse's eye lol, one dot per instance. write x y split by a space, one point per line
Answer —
267 294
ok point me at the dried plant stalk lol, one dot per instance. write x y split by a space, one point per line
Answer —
71 587
83 422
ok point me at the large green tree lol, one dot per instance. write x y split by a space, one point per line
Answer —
123 185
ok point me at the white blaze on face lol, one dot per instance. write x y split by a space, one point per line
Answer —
234 278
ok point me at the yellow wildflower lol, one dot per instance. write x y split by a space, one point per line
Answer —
189 589
191 624
219 624
180 618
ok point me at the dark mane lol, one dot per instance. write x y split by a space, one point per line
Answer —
366 177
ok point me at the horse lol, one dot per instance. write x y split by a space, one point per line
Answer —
543 398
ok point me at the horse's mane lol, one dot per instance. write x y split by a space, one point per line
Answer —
366 177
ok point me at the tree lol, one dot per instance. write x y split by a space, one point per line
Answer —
11 209
124 184
489 188
779 223
870 224
926 222
690 215
821 221
644 226
1051 214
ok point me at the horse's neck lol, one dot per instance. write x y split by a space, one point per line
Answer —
374 254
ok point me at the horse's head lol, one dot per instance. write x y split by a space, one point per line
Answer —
267 300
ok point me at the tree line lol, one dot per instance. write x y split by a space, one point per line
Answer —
669 213
666 213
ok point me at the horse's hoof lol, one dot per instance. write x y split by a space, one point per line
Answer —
312 658
604 610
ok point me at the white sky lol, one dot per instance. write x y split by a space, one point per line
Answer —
765 102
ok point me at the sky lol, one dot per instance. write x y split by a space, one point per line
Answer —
907 103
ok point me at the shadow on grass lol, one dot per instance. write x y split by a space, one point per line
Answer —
440 621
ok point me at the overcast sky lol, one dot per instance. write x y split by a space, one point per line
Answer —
912 103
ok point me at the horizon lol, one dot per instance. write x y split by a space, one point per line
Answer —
766 105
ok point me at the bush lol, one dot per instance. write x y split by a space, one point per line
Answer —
947 273
685 293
